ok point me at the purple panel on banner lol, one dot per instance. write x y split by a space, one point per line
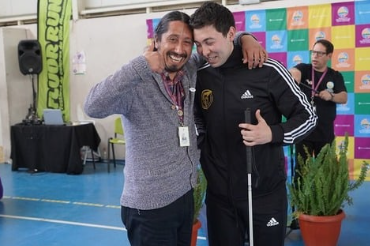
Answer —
261 37
149 25
344 124
363 35
343 14
239 21
280 56
362 148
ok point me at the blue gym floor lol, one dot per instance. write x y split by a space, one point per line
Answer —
74 210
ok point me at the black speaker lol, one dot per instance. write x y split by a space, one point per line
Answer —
29 56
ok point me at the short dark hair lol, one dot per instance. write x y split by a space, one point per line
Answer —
213 14
327 44
162 26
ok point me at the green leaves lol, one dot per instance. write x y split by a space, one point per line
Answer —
199 193
323 186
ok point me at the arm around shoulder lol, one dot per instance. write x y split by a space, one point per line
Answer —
253 52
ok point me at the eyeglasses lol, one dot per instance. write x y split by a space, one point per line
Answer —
318 53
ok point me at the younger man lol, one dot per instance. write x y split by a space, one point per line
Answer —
225 89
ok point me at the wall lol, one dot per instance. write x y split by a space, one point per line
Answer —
9 8
15 88
107 43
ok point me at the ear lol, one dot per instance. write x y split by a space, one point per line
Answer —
231 34
156 41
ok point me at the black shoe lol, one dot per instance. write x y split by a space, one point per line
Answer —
294 225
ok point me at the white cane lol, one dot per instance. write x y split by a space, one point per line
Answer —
247 115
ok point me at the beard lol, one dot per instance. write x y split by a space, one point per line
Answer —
175 67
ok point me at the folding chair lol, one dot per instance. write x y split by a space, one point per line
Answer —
117 139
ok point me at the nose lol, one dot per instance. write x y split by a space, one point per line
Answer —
206 50
180 47
199 49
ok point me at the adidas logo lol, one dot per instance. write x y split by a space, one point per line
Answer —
247 94
272 222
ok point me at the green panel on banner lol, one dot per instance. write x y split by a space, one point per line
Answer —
349 80
276 19
298 40
362 103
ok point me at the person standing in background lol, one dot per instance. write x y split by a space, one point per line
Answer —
225 89
325 88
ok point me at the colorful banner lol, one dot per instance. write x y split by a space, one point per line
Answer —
53 35
288 36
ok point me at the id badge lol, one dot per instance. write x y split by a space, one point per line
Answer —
184 136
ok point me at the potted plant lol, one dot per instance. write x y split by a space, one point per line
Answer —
321 192
199 193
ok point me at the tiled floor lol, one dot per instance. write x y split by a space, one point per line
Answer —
74 210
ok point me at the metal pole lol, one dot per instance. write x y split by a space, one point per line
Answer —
247 115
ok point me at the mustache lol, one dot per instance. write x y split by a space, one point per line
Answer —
183 55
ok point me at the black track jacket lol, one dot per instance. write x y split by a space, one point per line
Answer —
222 95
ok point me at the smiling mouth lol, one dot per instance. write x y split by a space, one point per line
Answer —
211 59
176 58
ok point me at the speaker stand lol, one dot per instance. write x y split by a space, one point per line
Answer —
32 117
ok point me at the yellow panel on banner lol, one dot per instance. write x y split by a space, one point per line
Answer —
362 56
319 16
53 35
339 142
342 36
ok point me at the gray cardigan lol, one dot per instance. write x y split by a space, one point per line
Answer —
157 170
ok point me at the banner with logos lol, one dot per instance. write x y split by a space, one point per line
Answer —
288 34
53 35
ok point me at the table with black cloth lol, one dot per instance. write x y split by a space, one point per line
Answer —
51 148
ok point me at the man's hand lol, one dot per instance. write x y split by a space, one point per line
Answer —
325 95
256 134
254 54
154 58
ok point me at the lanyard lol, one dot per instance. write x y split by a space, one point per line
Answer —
318 83
177 95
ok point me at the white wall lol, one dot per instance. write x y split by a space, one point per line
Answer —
9 8
110 43
15 88
107 43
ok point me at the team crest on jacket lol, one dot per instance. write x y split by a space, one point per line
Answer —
206 99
